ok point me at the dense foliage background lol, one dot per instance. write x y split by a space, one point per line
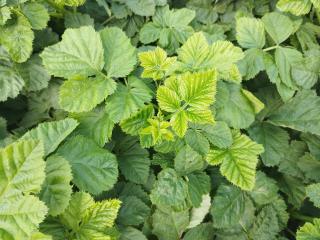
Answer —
159 119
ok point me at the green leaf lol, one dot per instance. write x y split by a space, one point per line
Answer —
175 193
21 217
133 211
310 167
142 7
51 134
238 162
34 74
300 113
218 134
95 124
266 224
252 63
80 52
274 139
309 231
56 189
228 206
71 3
37 15
74 93
232 106
278 26
17 39
294 189
77 19
291 157
250 32
119 54
197 141
265 190
201 232
187 160
285 58
128 99
296 7
130 233
169 225
156 64
198 186
11 83
134 161
22 168
94 169
313 192
313 143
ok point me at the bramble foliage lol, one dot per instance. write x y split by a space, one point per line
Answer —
159 119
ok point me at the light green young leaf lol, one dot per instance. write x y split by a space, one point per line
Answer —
278 26
128 99
5 15
238 162
137 121
71 3
95 124
17 39
75 93
170 225
20 217
300 113
250 32
56 189
313 192
156 64
119 54
309 231
80 52
11 83
196 54
87 219
296 7
51 134
22 169
37 14
94 169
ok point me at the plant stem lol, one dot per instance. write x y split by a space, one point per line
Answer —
270 48
301 217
